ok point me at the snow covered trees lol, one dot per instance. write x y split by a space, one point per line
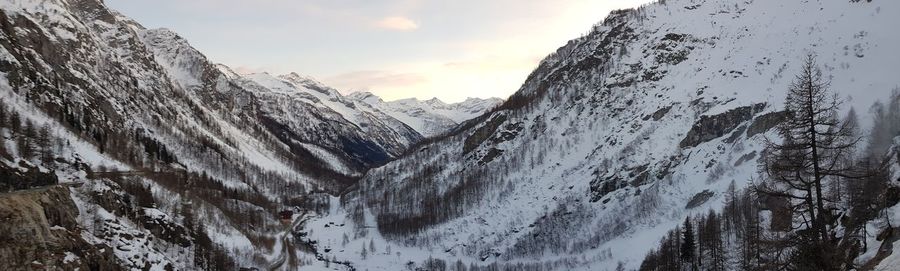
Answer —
31 139
699 244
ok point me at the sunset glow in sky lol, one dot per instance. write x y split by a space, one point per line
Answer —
393 48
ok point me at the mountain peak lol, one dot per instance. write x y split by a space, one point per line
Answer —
302 80
227 71
429 117
435 102
365 96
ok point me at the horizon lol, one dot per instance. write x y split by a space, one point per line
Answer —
347 94
395 49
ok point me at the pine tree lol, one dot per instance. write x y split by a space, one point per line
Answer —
44 142
15 122
885 127
837 186
4 122
863 205
29 130
749 232
202 246
711 241
23 144
731 212
364 253
688 244
4 115
4 152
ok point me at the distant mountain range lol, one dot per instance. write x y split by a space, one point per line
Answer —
430 117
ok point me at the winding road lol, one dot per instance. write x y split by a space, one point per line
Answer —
285 239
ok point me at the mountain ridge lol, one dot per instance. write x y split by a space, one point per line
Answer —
597 155
150 156
159 148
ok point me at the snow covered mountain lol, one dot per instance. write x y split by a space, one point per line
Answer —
150 156
431 117
125 148
328 115
304 114
613 140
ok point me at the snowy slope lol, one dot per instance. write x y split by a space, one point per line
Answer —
132 110
431 117
597 155
324 118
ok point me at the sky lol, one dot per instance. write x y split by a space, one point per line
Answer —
393 48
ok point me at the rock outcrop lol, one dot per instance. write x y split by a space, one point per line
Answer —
39 231
710 127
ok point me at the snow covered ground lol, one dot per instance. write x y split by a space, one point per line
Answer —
592 174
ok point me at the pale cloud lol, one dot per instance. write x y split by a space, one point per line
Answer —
369 80
394 48
451 82
495 62
397 23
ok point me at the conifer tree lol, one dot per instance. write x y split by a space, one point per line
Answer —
15 122
814 142
4 115
688 244
44 142
23 141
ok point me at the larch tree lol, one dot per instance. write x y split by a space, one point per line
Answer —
814 142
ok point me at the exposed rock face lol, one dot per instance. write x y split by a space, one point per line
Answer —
482 134
38 231
710 127
659 114
11 179
765 122
699 199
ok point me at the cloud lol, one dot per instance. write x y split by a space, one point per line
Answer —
496 62
397 23
445 48
368 80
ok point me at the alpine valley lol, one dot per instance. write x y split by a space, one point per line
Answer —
656 141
